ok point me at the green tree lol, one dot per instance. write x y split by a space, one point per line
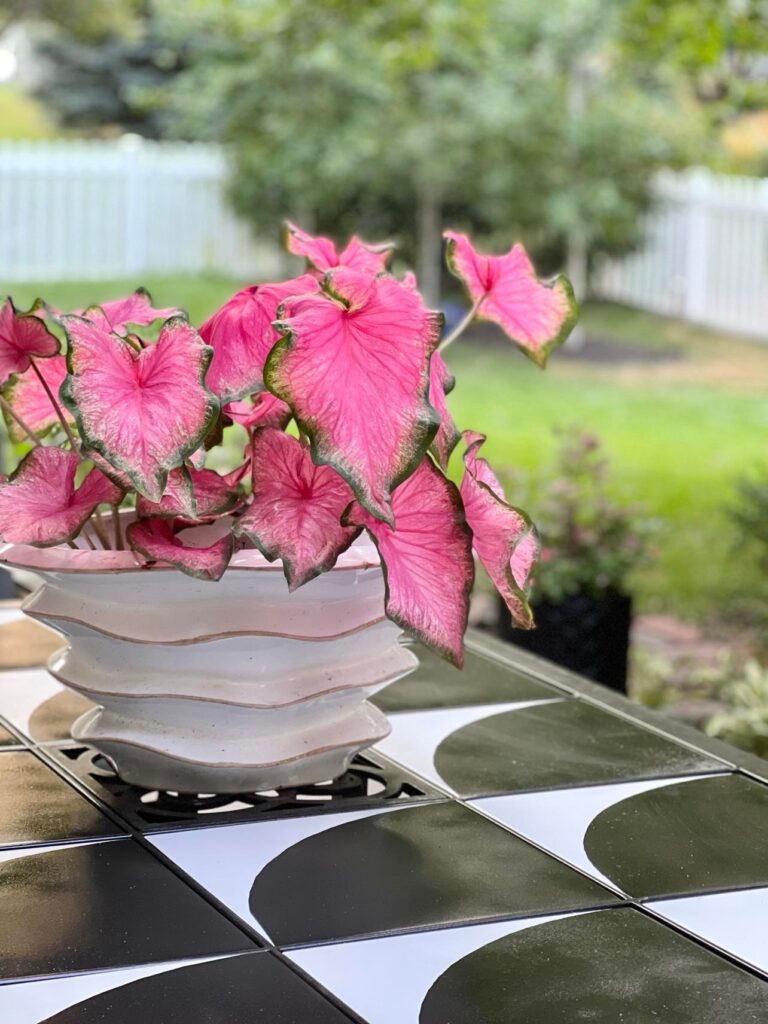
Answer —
392 117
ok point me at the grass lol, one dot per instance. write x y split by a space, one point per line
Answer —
678 431
677 441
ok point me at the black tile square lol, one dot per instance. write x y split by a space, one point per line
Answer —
543 745
653 838
371 781
240 989
38 806
97 905
437 684
329 877
614 966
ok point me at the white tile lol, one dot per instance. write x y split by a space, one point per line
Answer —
736 922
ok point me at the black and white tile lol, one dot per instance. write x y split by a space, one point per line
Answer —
38 706
533 745
86 907
7 737
38 806
239 989
605 967
437 684
332 877
653 838
735 922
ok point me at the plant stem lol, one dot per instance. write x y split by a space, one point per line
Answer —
118 531
460 328
98 525
4 404
88 540
56 406
73 545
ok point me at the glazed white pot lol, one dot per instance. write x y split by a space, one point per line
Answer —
220 687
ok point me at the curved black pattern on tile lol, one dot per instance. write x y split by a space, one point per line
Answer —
564 743
420 866
704 834
436 684
98 905
238 990
615 966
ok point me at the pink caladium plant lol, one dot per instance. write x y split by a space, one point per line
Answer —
328 393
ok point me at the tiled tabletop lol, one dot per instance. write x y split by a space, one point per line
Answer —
524 847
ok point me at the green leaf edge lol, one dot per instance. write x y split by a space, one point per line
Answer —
63 539
212 406
541 355
430 423
418 634
204 576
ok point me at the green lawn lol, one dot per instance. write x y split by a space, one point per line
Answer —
678 433
675 447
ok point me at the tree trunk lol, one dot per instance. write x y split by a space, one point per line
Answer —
429 243
577 268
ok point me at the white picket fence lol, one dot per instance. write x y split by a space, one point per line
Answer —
705 254
90 210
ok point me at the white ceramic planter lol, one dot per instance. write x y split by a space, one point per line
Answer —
219 687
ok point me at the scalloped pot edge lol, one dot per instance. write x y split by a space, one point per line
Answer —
63 559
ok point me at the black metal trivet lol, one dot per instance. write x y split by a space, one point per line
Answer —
371 780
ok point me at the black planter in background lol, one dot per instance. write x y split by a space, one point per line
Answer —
7 587
584 633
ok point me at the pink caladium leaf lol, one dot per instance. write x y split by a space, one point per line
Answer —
296 508
322 254
353 364
27 397
192 494
266 411
22 336
241 335
536 315
143 411
160 540
427 559
503 537
136 309
441 383
39 504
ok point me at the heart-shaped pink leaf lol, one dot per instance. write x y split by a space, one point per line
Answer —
159 541
241 335
29 399
536 315
192 494
22 335
503 537
321 253
39 504
427 559
136 309
353 364
441 383
266 411
144 411
295 513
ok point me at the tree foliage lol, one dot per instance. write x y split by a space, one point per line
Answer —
391 117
